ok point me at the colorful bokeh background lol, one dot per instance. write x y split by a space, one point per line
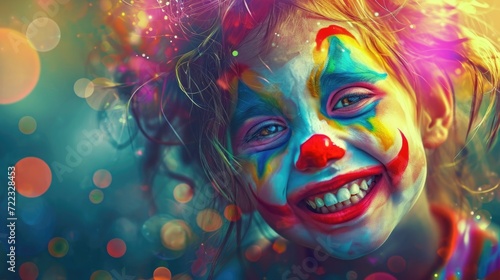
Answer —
82 211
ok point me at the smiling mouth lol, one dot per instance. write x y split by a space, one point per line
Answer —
341 198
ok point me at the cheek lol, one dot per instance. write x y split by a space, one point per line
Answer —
263 168
382 133
397 166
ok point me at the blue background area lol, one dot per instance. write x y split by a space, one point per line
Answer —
65 210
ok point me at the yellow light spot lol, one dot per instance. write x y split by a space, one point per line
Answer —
175 234
209 220
183 193
27 125
20 67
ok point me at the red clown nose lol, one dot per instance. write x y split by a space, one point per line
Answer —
317 151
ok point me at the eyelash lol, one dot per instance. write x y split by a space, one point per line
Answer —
350 102
358 96
255 136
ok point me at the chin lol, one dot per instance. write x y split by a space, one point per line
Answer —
347 250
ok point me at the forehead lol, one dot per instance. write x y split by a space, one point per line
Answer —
307 47
290 39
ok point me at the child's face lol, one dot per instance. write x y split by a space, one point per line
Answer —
319 121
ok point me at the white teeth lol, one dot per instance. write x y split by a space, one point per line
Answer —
354 189
343 194
312 204
364 185
361 194
319 202
346 196
330 199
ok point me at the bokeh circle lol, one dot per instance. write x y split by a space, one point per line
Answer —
28 271
58 247
44 34
20 67
162 273
116 248
33 177
27 125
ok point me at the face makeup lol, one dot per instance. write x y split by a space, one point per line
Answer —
328 140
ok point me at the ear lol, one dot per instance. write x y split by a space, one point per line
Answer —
437 109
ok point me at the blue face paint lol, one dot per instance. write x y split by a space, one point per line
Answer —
266 108
251 104
341 70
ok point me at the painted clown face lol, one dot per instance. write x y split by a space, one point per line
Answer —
328 140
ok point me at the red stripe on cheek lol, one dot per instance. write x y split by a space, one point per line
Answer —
331 30
397 166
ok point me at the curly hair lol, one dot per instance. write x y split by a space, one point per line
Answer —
175 77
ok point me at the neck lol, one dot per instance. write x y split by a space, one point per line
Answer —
416 240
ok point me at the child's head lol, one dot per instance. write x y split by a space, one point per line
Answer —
324 136
326 116
342 102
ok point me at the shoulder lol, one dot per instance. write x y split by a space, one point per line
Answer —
474 248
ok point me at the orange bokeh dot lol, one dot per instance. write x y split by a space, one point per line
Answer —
58 247
279 245
209 220
232 213
101 275
20 67
32 177
380 276
253 253
162 273
28 271
116 248
183 193
175 234
102 178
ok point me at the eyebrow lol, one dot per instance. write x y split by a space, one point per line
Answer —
251 104
332 81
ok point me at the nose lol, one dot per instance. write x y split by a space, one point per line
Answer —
316 152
